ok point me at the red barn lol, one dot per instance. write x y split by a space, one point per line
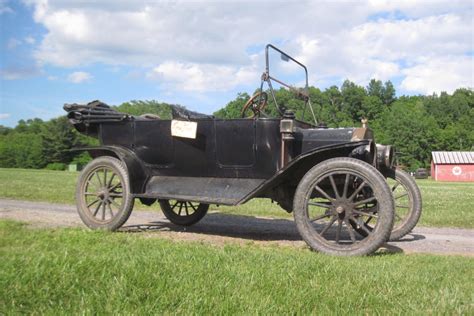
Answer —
453 166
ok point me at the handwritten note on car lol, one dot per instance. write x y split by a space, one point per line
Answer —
184 129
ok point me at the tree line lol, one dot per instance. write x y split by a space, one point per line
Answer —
415 125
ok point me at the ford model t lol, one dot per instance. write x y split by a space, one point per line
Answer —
343 189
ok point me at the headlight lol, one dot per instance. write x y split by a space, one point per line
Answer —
385 156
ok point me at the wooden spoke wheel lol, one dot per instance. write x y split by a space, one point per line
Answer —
408 206
335 193
103 196
183 213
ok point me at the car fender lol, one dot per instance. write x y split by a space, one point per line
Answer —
292 173
137 172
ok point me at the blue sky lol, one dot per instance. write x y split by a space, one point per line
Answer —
201 54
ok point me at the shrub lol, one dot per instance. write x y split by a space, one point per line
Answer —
56 166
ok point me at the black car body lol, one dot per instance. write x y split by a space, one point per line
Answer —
229 161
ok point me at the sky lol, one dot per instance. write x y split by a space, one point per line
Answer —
200 54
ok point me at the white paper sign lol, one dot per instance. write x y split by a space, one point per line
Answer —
184 129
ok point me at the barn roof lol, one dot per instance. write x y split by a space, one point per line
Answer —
453 157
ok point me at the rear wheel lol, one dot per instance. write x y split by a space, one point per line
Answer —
334 193
103 196
183 213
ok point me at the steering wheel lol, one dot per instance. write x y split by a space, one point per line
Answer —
256 103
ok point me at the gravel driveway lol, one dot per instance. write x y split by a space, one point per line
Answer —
218 228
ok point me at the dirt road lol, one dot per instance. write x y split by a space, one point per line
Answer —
218 228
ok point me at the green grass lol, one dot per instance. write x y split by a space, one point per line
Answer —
38 185
72 271
444 204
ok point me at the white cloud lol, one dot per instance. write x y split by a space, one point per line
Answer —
4 116
433 35
203 77
13 43
30 40
383 49
439 74
147 33
4 8
79 77
204 46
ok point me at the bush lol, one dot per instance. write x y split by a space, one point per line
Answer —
82 159
56 166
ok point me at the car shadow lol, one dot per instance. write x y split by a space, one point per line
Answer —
247 228
411 237
226 225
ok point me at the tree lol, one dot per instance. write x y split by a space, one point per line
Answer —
58 139
371 107
21 150
134 107
388 93
407 126
353 96
4 130
375 89
233 108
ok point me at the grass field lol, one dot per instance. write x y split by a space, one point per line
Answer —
74 271
444 204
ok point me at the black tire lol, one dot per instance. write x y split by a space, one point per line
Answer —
183 213
405 221
349 183
408 204
104 202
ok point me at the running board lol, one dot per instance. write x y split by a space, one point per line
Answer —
225 191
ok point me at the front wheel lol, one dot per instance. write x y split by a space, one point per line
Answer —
103 195
335 193
183 213
408 205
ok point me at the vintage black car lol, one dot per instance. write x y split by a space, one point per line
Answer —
334 180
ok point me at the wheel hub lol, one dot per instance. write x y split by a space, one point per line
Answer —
342 209
103 194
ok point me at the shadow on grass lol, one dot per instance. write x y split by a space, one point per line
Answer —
249 228
236 226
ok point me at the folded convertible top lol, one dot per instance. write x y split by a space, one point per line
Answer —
86 117
92 112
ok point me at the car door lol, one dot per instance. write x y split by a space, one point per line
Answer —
235 143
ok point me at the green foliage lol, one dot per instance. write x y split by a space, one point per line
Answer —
233 109
407 126
163 110
82 159
21 150
56 166
58 139
4 130
35 143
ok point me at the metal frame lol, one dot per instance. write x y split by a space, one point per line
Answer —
267 77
